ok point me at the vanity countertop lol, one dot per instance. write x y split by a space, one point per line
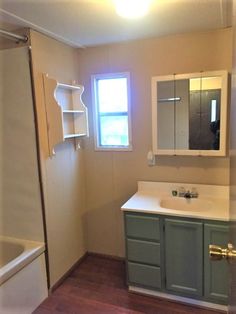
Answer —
150 195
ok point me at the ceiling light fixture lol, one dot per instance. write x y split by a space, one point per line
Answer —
132 9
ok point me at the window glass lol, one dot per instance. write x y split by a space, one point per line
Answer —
112 95
114 130
112 114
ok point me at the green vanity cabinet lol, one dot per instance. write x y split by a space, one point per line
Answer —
170 254
184 256
216 272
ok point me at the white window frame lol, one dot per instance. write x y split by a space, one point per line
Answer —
94 79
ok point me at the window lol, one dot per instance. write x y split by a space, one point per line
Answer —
112 111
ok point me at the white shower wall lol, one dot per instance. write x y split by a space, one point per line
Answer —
21 207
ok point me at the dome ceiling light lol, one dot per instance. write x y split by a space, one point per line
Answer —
132 9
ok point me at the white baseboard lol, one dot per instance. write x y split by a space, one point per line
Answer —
200 303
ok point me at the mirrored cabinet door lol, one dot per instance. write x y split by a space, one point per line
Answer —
189 114
166 116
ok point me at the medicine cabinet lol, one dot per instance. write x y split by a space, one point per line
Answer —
189 114
66 114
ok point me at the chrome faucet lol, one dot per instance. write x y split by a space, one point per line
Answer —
187 194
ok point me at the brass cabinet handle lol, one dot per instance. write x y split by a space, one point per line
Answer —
218 253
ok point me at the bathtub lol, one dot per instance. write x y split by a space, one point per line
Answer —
23 282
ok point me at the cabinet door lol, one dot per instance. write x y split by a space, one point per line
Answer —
184 256
216 272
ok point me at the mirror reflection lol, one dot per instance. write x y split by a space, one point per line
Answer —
188 113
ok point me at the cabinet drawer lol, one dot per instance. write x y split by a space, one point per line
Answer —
143 252
144 275
142 227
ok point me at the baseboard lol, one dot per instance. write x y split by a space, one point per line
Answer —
63 278
179 299
107 256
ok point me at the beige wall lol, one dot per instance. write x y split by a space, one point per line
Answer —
111 177
63 174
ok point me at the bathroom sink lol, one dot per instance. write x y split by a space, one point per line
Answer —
184 204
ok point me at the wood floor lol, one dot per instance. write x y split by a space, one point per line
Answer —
98 286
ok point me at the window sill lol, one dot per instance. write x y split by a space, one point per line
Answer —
114 149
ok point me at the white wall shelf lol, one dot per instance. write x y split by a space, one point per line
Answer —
73 135
67 116
72 111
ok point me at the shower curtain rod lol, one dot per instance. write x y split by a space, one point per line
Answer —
13 36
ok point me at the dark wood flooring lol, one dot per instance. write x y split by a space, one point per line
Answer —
98 286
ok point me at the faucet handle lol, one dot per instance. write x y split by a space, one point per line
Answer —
194 192
174 192
182 191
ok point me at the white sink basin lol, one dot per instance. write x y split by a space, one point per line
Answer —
181 203
156 198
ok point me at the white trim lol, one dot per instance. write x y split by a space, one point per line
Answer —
180 299
223 115
94 79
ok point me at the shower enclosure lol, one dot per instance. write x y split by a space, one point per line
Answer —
22 260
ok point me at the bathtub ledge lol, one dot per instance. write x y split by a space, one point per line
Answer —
31 251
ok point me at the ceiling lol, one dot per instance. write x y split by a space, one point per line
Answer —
82 23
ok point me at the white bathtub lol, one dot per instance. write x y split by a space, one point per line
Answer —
23 284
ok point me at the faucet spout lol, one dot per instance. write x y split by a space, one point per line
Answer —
188 195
